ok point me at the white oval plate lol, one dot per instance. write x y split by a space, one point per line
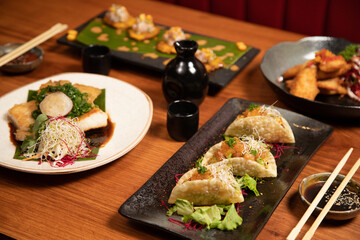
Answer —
129 108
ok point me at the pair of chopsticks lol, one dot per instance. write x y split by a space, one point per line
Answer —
293 234
57 28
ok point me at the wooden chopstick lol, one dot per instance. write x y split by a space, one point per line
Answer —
293 234
57 28
332 200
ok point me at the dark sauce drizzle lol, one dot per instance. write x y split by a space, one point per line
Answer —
348 200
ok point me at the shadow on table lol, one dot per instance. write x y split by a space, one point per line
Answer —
24 179
298 209
117 221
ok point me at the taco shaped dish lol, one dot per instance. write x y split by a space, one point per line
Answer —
216 185
263 123
245 156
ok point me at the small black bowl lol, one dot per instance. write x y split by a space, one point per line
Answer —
353 186
17 68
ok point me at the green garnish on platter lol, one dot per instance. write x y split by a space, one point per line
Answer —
253 106
230 141
248 182
201 169
211 216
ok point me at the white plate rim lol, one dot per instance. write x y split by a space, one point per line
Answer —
91 163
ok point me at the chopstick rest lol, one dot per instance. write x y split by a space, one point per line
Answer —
293 234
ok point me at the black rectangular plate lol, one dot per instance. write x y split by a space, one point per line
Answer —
145 205
217 79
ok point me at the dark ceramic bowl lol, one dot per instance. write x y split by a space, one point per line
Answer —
284 55
21 67
353 186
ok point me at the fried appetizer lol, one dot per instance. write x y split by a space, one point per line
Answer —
332 86
216 185
245 156
326 75
118 17
53 83
293 71
143 28
263 123
166 45
209 59
21 116
91 92
328 61
305 85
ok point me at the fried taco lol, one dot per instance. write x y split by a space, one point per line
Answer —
215 185
245 156
263 123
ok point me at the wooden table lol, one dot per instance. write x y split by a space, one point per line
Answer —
84 205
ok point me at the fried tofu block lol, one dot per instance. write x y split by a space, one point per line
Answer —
332 86
20 116
92 92
53 83
95 118
305 85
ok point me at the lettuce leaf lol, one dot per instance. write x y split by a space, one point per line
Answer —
211 216
231 221
248 182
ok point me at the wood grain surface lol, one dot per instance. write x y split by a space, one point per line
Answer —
84 205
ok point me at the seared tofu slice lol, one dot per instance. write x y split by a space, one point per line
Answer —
92 92
95 118
53 83
20 116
